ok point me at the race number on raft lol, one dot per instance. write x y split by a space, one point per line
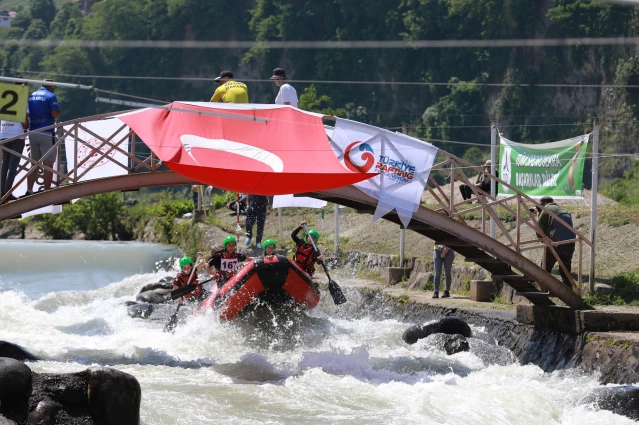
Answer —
13 102
228 265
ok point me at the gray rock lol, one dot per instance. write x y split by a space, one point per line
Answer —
114 397
45 412
447 325
603 289
155 296
11 229
157 285
622 400
5 421
142 310
455 344
417 280
14 351
15 389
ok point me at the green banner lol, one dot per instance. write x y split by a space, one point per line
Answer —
551 169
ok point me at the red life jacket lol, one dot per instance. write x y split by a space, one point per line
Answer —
305 257
228 267
183 279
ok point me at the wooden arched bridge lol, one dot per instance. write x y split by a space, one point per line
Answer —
444 224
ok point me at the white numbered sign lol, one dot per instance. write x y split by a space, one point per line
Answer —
228 264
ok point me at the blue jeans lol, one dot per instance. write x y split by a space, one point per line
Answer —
10 164
447 261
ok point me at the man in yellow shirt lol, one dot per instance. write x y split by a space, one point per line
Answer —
230 91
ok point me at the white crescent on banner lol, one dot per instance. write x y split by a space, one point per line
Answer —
190 141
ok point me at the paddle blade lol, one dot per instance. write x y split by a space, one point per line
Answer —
336 292
171 323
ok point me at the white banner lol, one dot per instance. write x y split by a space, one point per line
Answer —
113 163
38 186
280 201
403 164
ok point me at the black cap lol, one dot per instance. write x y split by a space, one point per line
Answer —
278 74
224 74
546 200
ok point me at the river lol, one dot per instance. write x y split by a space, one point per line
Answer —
64 301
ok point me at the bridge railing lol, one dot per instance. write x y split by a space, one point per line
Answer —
97 150
515 229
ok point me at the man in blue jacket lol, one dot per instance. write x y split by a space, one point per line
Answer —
43 111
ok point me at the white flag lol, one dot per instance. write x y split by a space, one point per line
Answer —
280 201
403 164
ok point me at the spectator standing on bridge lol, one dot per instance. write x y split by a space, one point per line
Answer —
557 232
43 111
255 211
442 255
230 91
10 161
287 94
482 183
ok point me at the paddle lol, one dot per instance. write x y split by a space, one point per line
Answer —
182 291
173 320
333 287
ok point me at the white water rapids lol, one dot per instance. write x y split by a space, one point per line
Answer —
65 303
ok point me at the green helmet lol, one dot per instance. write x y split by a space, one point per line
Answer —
314 233
267 243
185 261
229 239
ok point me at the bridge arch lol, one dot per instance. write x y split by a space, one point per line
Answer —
445 224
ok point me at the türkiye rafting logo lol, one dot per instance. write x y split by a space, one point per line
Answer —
389 167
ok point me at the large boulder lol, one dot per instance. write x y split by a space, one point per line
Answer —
15 389
455 344
162 284
114 397
142 310
14 351
622 400
603 289
5 421
154 296
447 325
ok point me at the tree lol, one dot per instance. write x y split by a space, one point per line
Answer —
44 10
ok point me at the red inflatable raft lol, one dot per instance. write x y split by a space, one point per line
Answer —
273 279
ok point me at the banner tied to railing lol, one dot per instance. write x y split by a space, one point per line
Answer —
403 164
550 169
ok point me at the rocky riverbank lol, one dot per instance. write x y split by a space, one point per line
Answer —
614 355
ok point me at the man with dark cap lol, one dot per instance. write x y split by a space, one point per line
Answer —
230 91
557 232
287 94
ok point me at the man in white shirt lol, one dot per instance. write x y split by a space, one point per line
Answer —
287 94
10 161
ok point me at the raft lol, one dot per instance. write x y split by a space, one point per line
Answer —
275 280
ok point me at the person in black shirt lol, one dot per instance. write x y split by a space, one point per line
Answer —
226 262
256 210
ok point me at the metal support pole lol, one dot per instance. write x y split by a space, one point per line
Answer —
281 225
493 166
336 237
593 201
402 231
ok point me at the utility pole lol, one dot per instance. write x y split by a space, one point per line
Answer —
493 165
593 202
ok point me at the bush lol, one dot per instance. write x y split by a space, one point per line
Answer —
98 217
165 213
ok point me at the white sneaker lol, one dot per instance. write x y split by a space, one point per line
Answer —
258 246
247 241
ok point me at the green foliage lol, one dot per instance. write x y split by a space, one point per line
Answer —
191 237
221 199
97 217
43 10
165 213
625 285
309 101
626 190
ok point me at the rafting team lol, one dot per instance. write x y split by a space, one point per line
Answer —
226 262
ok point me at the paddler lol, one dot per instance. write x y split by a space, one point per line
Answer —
226 262
187 276
305 255
269 247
